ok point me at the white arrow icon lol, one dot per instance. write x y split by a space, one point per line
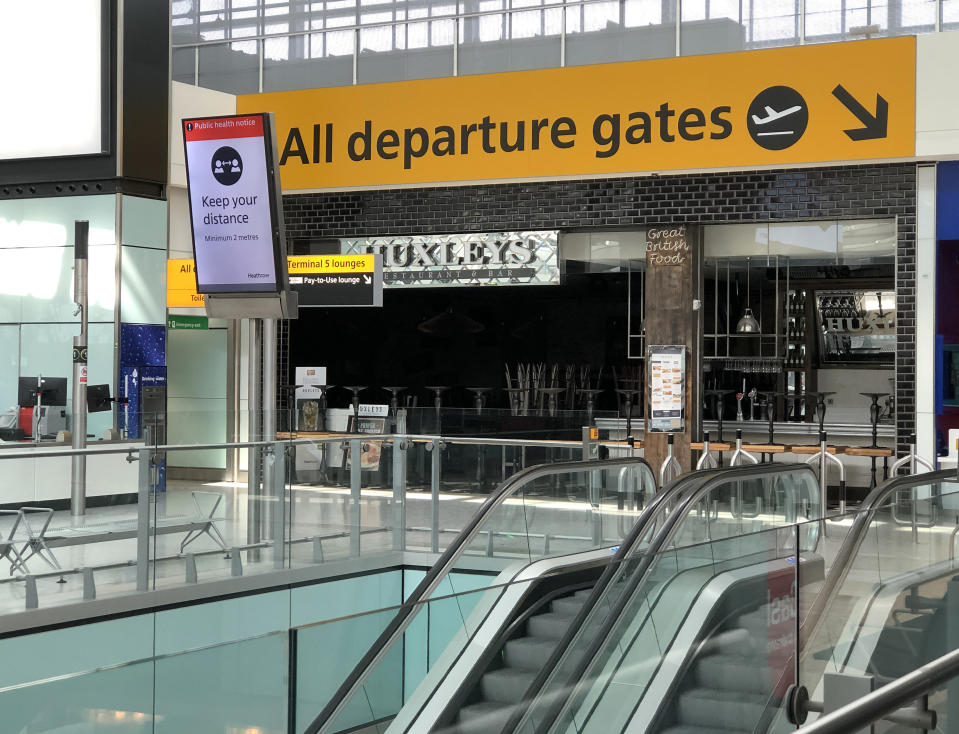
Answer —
367 279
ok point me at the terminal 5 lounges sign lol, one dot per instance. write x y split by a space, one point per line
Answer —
828 102
229 184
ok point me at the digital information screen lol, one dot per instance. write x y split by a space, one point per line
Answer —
230 187
53 98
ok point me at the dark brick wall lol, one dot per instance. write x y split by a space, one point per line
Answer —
842 192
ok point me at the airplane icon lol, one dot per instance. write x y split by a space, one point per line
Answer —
772 115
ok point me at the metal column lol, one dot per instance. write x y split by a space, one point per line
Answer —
399 493
356 475
278 472
269 417
145 501
78 467
253 459
435 470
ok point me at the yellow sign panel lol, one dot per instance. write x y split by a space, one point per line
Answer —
301 264
181 285
181 281
807 104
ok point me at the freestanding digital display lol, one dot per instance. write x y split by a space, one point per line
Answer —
233 204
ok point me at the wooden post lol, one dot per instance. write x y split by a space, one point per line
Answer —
673 283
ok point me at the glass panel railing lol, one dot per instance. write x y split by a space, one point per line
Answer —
701 641
544 512
886 603
164 510
714 522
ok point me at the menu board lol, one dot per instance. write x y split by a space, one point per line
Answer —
667 388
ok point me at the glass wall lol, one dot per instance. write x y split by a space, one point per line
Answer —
241 46
37 311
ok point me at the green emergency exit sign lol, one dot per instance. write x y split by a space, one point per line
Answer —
187 322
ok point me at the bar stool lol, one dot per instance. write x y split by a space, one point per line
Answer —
771 398
874 419
820 406
479 398
394 399
438 391
356 390
552 394
628 396
590 394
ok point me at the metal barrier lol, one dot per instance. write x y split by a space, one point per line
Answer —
278 457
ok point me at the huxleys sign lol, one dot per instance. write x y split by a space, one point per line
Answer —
487 258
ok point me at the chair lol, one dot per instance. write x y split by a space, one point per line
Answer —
37 541
8 545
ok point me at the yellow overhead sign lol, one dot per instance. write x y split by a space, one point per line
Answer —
806 104
299 264
181 285
181 280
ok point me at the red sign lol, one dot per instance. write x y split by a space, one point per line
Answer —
782 609
219 128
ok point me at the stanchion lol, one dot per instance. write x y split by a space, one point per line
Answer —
740 452
670 468
824 457
706 461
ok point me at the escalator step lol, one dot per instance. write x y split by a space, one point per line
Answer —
720 710
734 673
506 685
483 718
550 625
568 605
735 643
529 653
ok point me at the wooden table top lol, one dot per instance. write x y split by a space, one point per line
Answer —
869 451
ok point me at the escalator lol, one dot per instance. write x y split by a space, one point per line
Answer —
540 540
884 610
560 642
703 630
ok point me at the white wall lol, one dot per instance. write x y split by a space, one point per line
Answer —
926 310
189 101
937 104
847 405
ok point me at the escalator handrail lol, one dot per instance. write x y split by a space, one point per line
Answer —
709 479
441 568
853 540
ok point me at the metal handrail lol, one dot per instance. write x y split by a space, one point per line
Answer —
853 540
710 479
133 447
884 701
398 625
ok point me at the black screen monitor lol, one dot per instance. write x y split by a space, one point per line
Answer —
98 398
53 391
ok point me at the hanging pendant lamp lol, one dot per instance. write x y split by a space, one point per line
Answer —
748 323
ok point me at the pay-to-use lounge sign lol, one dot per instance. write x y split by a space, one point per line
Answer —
829 102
